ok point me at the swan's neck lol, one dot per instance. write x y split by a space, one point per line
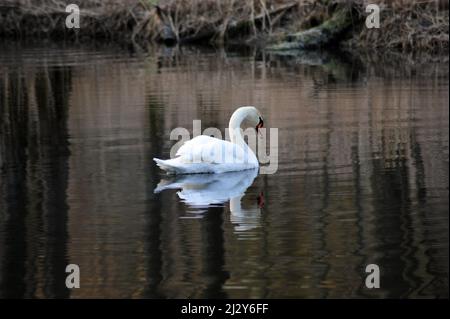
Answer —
234 126
235 132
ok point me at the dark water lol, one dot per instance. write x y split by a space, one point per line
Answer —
362 176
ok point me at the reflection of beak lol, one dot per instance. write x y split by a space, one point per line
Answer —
260 125
260 200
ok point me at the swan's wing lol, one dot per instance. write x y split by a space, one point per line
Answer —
206 149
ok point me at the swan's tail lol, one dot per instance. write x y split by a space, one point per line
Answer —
167 165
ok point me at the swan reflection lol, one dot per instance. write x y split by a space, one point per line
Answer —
204 190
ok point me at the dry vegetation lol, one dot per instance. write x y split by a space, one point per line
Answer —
112 19
413 25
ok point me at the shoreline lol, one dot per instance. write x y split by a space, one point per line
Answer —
279 26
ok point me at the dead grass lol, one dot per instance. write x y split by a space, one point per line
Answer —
111 19
405 25
415 25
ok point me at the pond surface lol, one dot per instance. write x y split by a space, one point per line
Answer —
362 176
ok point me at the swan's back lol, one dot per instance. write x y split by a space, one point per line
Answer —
205 154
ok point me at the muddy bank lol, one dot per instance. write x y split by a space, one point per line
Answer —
279 25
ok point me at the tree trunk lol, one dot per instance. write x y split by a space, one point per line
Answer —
328 32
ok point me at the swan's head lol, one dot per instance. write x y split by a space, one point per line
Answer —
252 116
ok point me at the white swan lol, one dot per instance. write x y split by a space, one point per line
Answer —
205 154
